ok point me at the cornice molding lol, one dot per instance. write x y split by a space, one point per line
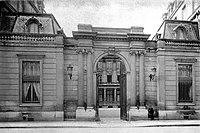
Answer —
30 56
110 37
138 37
29 44
84 35
181 43
188 60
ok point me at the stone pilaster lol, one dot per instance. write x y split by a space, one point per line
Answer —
133 90
141 79
80 78
161 75
90 99
59 80
161 82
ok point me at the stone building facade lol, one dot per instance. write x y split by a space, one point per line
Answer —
99 72
31 63
183 10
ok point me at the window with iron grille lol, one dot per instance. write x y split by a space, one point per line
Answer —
185 83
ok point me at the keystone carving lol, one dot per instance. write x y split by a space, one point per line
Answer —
112 51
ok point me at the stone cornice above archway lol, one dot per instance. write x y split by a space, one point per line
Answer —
110 36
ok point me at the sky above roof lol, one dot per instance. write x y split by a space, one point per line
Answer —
108 13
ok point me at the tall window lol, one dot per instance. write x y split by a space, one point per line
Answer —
109 95
109 78
101 94
31 82
185 83
30 79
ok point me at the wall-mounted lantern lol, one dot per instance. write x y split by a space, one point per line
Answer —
69 71
153 73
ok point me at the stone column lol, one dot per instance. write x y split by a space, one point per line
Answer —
80 79
90 100
133 90
161 81
141 80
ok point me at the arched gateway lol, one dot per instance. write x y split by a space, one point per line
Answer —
111 88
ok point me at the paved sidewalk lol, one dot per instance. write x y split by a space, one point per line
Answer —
104 123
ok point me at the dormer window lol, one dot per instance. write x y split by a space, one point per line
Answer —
181 32
33 25
33 28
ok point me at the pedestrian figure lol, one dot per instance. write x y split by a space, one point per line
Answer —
85 106
151 112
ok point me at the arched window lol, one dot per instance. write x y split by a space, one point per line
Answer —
33 25
181 32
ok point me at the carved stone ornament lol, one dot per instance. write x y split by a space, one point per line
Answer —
112 51
84 51
137 52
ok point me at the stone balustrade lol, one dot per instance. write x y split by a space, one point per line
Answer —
27 37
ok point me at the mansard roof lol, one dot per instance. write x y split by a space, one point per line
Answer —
170 30
17 23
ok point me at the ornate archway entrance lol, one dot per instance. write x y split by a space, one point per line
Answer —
111 84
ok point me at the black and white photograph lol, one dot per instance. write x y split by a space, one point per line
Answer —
99 66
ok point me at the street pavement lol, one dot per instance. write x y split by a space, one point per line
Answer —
104 123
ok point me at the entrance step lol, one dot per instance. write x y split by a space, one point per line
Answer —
109 113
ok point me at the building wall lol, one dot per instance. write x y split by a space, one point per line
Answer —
52 80
71 57
71 85
184 11
171 78
150 86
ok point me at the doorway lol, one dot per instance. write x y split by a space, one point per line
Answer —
111 87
